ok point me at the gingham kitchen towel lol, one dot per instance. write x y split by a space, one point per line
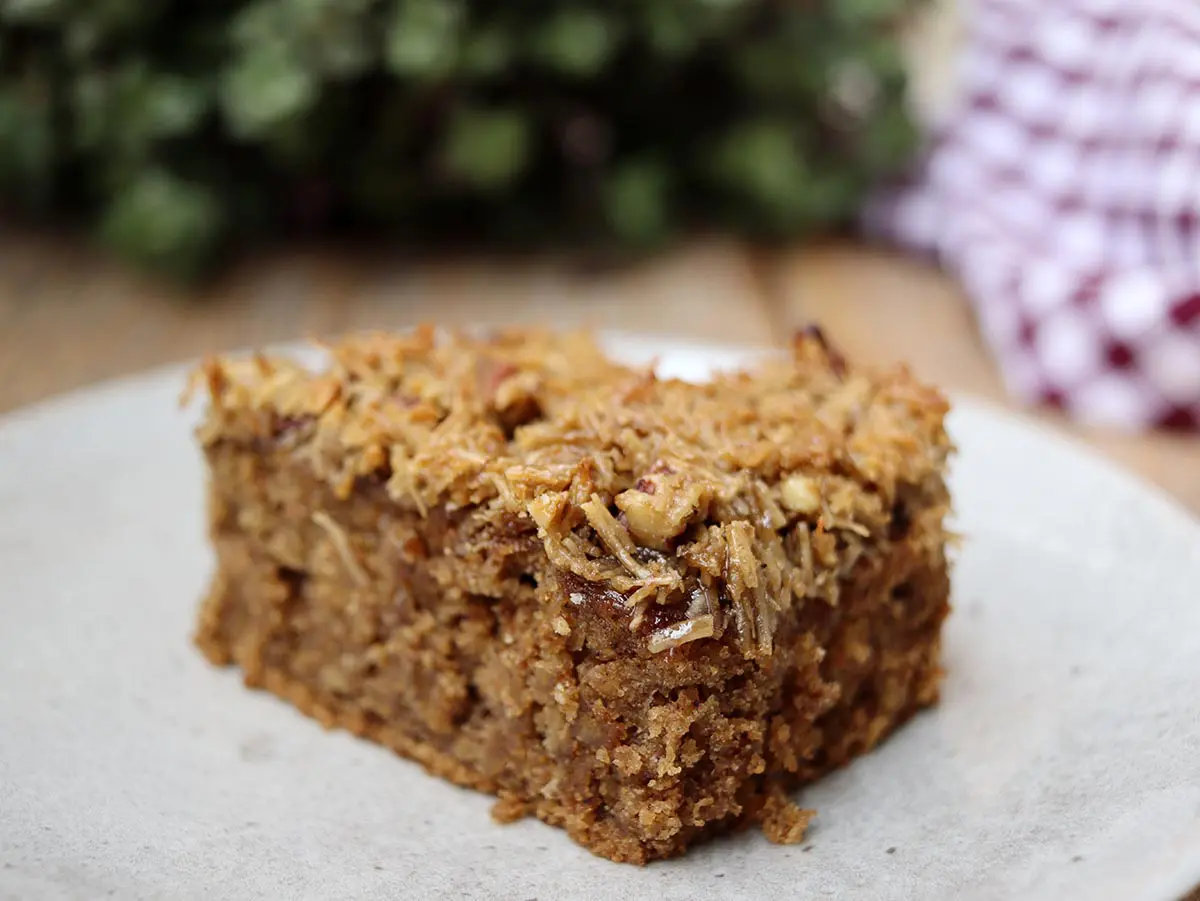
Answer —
1063 190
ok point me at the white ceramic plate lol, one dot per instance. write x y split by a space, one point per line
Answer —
1063 761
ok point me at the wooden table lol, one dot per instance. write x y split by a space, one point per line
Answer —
69 318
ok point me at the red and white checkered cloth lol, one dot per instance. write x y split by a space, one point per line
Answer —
1064 192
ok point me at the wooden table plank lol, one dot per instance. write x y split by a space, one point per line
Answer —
882 308
68 318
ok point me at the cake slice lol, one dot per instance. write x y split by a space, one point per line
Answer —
640 609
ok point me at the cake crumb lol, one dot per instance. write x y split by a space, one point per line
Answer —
509 809
783 821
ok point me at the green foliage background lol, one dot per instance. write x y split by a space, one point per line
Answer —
179 129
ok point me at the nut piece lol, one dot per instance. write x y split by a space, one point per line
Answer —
545 510
800 494
661 507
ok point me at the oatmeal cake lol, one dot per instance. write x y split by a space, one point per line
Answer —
636 608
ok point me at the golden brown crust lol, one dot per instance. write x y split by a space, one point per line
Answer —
640 610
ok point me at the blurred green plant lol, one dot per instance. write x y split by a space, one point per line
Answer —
181 130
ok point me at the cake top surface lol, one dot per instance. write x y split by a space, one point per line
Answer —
624 473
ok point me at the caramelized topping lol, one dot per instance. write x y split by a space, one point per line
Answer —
636 484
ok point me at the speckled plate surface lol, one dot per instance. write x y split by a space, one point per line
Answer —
1063 762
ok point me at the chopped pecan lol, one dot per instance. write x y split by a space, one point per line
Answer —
661 507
